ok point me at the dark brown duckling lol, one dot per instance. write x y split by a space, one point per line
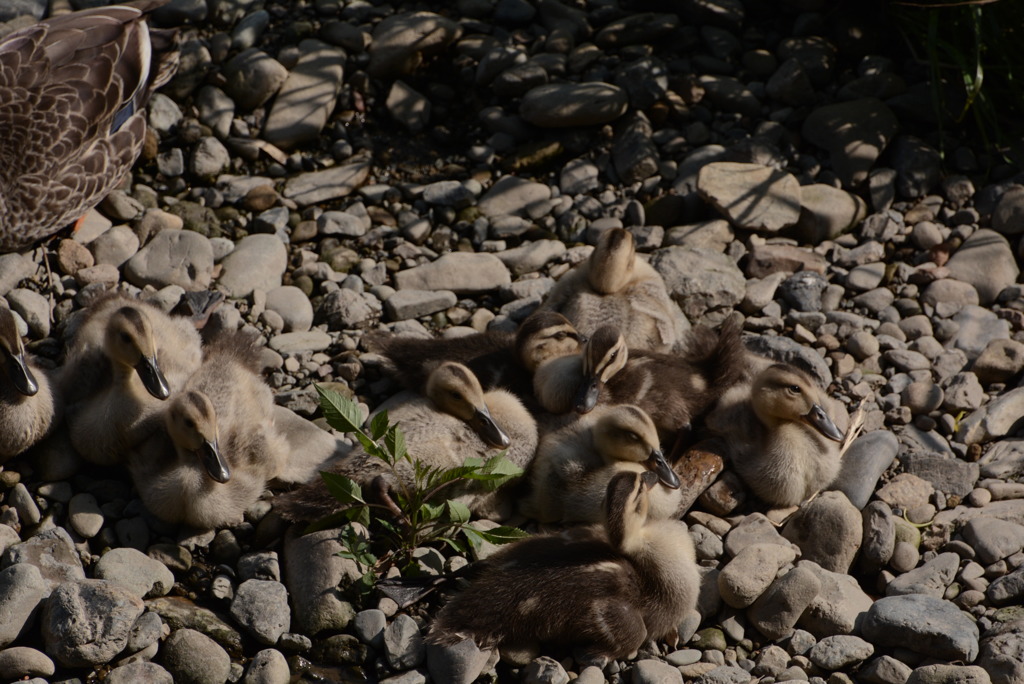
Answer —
602 593
499 359
674 389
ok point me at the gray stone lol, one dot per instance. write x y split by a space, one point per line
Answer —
252 77
853 133
216 109
87 622
21 501
463 273
949 296
511 195
650 671
269 666
918 166
562 105
879 536
133 673
22 590
930 579
297 342
776 611
1003 416
312 571
1000 361
19 662
402 41
340 223
839 607
828 531
699 279
924 624
751 196
460 663
827 212
634 154
84 515
369 627
115 246
1002 653
1008 216
531 256
785 350
345 309
884 670
753 529
945 473
314 187
403 643
172 257
135 571
730 94
406 304
993 539
545 670
751 572
261 608
194 658
868 457
256 263
986 261
1008 589
13 269
307 97
210 157
34 309
803 290
293 306
408 107
949 674
52 552
840 651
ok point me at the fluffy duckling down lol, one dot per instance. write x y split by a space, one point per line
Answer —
574 465
27 402
218 446
615 287
125 359
782 439
454 421
602 593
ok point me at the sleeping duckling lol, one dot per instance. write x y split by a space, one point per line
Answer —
616 287
27 404
574 464
219 445
673 389
604 595
126 357
782 440
497 358
455 420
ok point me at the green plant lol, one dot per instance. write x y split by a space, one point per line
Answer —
410 515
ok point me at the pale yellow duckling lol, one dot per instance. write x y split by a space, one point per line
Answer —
126 357
219 445
615 287
574 465
603 594
27 402
454 421
783 440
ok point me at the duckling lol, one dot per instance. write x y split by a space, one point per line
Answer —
574 465
603 594
674 389
782 440
497 358
126 357
219 445
616 287
455 420
27 403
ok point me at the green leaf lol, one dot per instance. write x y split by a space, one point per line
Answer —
456 512
432 511
341 412
379 425
394 440
342 488
473 536
503 534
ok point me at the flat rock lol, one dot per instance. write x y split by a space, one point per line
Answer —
751 572
20 662
949 674
531 256
927 625
776 611
1001 417
460 663
139 671
993 539
699 279
464 273
402 41
1002 653
768 259
403 643
87 622
405 304
751 196
854 134
840 651
22 590
135 571
563 105
827 212
52 552
986 261
297 342
346 309
257 263
308 96
314 187
312 571
828 531
930 579
252 77
513 196
193 657
173 257
293 306
261 608
839 607
868 457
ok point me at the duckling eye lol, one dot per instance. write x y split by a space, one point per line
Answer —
633 436
125 337
190 424
795 389
615 355
560 336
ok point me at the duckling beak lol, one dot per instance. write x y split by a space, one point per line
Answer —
214 462
153 379
649 478
657 464
587 396
21 376
819 420
484 425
